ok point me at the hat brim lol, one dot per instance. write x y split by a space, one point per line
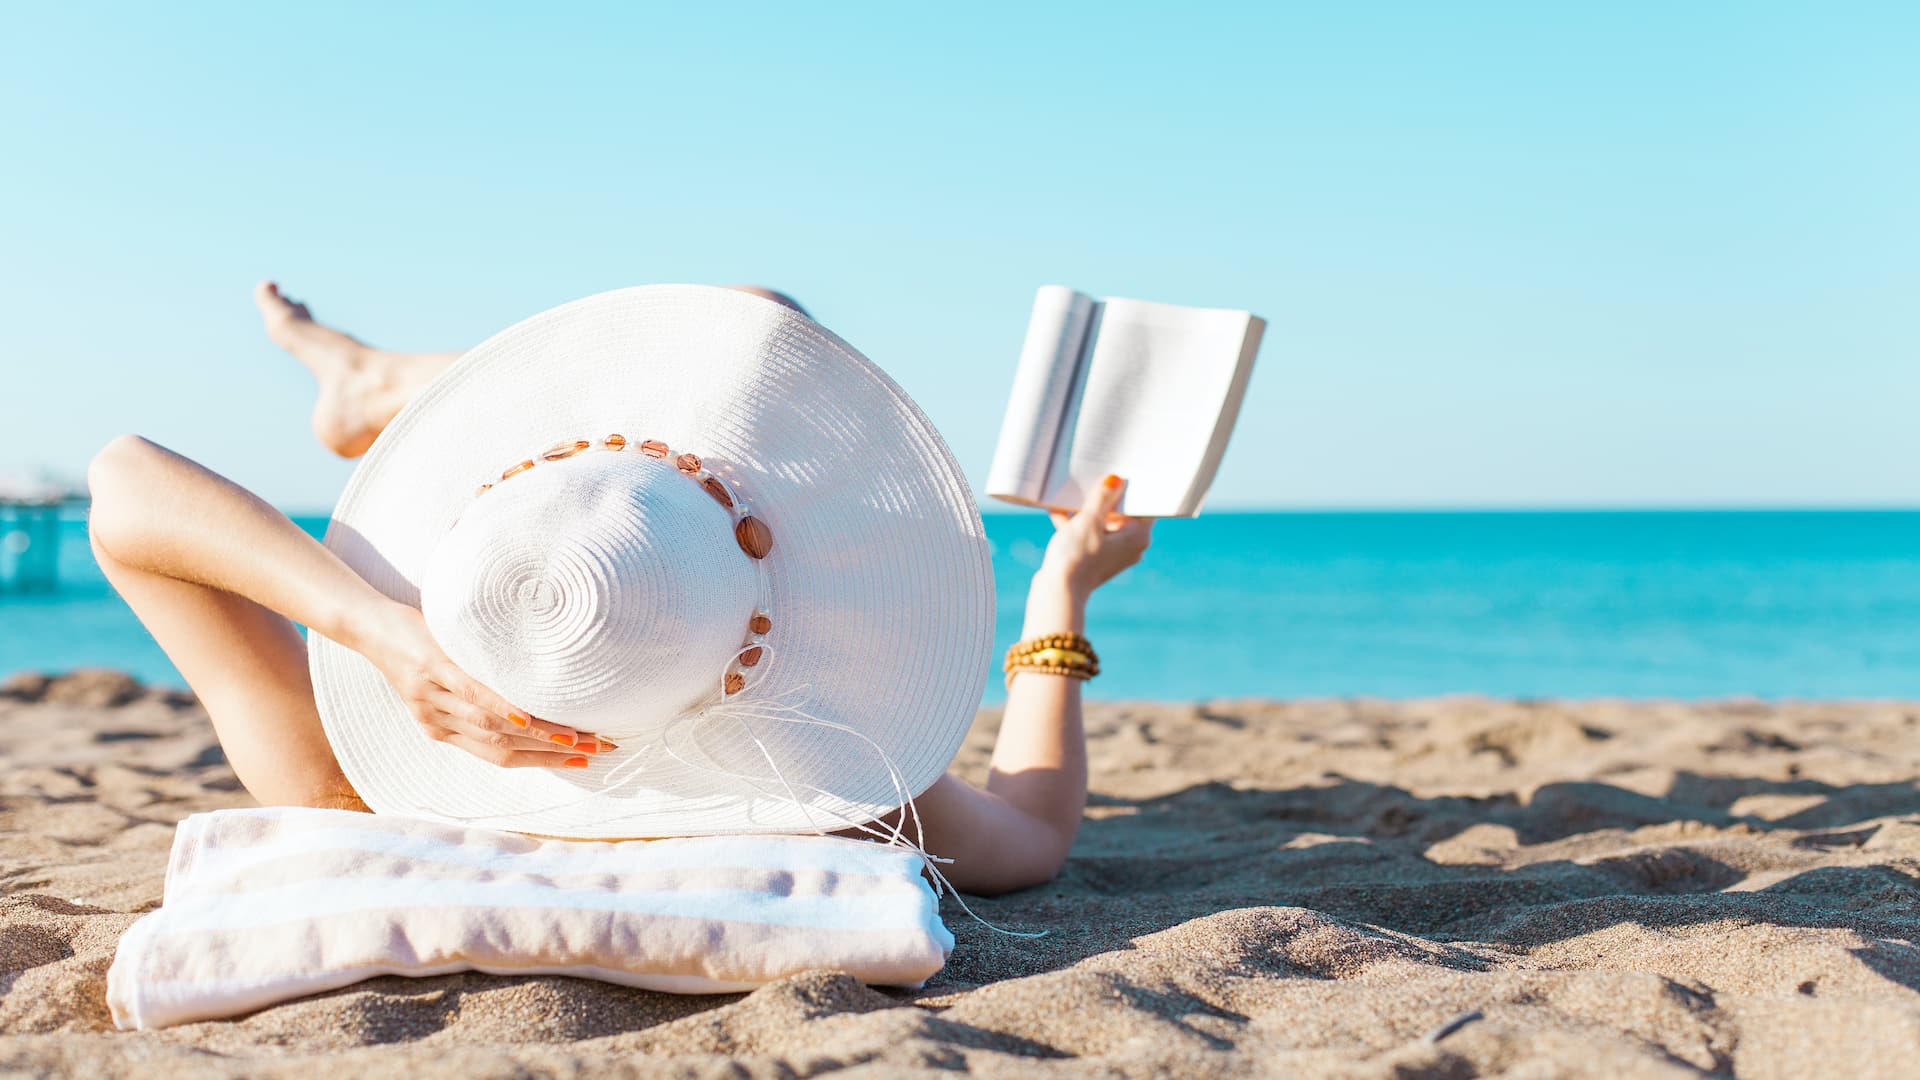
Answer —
880 575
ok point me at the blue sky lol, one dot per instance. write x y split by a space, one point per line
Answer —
1510 254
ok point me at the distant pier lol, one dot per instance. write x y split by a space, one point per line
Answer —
31 510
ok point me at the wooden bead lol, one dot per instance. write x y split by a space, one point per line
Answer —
754 537
759 624
654 448
616 442
1054 643
735 682
561 451
517 470
687 463
718 490
750 657
1055 655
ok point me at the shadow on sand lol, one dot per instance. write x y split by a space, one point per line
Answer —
1479 876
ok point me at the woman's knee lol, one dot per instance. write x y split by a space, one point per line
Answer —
115 477
120 462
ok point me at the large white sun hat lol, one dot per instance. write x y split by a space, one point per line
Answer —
691 520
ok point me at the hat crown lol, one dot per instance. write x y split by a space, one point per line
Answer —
604 592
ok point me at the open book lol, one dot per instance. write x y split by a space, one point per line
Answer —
1148 391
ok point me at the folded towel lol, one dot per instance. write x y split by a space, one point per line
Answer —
266 905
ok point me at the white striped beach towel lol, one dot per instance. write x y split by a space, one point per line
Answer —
271 904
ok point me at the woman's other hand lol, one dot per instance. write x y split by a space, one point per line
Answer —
456 709
1091 547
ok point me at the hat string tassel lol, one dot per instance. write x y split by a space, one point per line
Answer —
781 710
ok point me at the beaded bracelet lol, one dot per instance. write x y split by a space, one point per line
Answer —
1070 655
1079 673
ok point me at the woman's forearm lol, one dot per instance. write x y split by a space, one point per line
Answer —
1016 833
158 511
1054 606
1040 760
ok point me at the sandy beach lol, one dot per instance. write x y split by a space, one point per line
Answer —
1451 887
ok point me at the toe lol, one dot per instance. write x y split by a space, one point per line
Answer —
274 308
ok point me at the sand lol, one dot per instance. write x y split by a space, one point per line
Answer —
1453 887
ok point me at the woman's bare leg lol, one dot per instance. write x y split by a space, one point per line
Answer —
217 587
249 668
247 665
363 388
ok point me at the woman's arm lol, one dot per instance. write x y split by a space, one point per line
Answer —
1016 832
161 513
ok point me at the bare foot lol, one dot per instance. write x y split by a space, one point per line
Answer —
357 385
361 387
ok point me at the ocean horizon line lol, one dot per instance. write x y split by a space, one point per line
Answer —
1489 509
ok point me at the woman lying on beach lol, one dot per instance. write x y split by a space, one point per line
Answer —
220 578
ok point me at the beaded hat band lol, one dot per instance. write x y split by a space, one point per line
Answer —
749 532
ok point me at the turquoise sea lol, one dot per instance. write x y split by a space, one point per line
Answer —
1629 604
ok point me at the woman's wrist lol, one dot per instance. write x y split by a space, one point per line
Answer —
1055 605
363 623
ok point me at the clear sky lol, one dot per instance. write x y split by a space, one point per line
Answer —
1510 254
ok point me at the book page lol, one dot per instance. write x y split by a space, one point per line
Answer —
1161 389
1043 389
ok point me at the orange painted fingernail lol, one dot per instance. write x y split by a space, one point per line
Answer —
1111 481
564 740
575 763
605 745
587 746
518 719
